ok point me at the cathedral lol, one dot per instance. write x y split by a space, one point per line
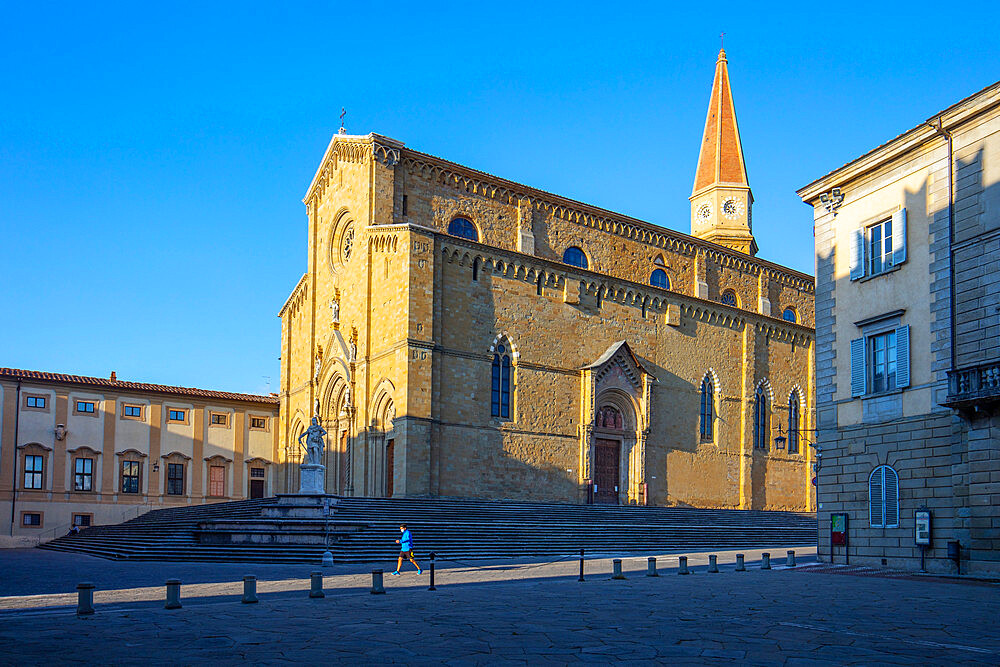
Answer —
458 334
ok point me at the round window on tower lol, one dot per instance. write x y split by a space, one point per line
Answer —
704 212
732 207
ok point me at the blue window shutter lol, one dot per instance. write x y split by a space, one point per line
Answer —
876 498
890 489
857 254
858 374
903 357
899 237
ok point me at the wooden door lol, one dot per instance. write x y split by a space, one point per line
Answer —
256 488
606 470
217 481
345 464
389 452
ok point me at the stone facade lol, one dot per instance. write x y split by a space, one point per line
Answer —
392 334
939 191
85 451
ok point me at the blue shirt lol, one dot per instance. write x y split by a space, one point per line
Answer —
405 541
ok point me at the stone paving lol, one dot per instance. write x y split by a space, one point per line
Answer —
502 613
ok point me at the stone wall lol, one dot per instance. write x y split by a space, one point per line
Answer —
423 310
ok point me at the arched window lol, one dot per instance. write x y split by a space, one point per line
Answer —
500 397
659 279
729 298
793 422
790 315
883 498
707 409
575 257
761 419
462 228
610 417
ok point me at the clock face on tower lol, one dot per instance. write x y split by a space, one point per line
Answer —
732 207
704 212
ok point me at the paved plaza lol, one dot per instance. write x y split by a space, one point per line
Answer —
496 613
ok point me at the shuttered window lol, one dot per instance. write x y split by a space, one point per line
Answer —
880 362
877 248
883 498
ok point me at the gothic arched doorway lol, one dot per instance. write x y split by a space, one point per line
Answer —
609 436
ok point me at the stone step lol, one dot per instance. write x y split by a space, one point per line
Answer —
460 529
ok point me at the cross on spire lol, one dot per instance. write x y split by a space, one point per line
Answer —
343 112
722 40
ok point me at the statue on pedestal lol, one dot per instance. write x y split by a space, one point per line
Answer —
314 442
313 472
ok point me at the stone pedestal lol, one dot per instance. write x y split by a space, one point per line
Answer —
313 476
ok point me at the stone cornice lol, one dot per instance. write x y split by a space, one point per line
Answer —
355 148
507 192
299 289
554 274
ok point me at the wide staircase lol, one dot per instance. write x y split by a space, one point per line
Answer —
454 529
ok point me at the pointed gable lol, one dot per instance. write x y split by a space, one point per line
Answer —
619 363
721 157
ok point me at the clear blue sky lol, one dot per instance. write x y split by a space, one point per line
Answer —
153 156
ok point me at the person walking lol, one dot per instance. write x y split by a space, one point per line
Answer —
405 543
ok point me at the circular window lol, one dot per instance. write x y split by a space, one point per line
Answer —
789 315
729 298
704 212
575 257
347 244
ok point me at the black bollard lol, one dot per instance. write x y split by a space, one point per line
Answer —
651 567
85 600
316 585
249 589
377 586
173 594
432 587
581 566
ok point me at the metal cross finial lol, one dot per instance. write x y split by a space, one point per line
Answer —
722 40
343 112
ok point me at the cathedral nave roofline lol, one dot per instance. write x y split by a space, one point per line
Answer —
493 187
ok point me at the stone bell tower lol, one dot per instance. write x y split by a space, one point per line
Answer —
721 200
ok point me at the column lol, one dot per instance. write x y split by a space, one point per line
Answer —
198 454
59 446
155 435
108 457
239 447
7 445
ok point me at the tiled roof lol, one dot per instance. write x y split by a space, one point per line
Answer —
122 385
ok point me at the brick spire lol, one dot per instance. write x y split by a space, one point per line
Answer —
721 159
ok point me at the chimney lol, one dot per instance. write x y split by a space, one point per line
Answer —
114 378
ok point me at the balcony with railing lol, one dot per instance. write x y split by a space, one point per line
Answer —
974 386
